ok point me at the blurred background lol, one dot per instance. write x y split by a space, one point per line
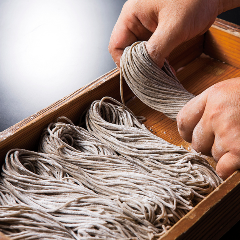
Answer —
51 48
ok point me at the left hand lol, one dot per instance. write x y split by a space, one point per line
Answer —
211 122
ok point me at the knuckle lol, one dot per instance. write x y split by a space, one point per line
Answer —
181 122
128 4
110 48
196 146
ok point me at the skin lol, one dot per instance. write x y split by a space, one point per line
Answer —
210 121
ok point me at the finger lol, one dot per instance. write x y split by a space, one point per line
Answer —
122 37
227 165
203 137
118 43
190 115
218 149
167 36
128 29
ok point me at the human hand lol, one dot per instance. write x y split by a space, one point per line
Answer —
211 122
164 23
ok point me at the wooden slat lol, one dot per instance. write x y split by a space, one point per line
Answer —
203 72
26 133
222 42
186 52
212 217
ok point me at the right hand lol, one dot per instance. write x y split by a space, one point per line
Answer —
163 23
211 122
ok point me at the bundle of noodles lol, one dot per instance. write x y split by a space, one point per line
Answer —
107 170
70 139
26 223
52 184
157 87
88 217
117 126
123 184
38 180
98 217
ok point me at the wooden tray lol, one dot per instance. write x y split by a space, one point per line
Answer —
200 63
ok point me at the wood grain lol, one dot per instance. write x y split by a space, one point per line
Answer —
212 217
3 237
186 52
222 42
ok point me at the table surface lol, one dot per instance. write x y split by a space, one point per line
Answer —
50 48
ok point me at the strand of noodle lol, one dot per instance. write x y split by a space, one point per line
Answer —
24 222
70 138
157 88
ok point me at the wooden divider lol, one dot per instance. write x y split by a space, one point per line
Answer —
222 42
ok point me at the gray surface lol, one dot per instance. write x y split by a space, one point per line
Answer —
49 49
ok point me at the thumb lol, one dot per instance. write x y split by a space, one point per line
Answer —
227 165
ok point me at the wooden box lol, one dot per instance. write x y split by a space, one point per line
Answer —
200 62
